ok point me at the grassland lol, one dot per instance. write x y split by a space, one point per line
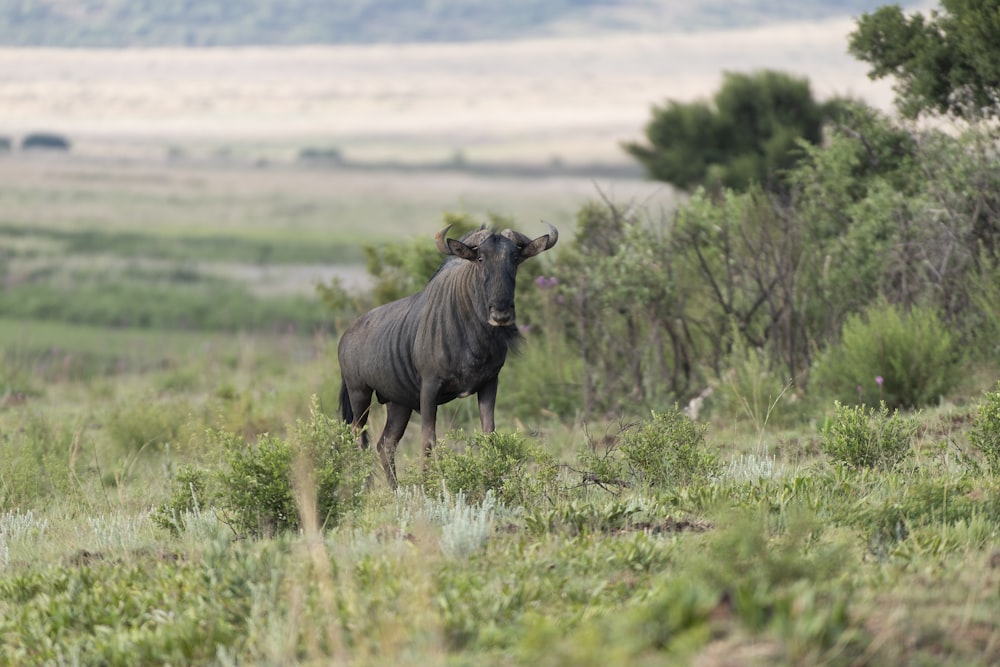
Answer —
177 196
782 556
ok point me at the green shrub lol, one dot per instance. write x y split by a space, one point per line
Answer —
504 463
257 489
985 433
905 360
256 493
868 439
667 451
341 469
189 494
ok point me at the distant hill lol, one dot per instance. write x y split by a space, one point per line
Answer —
150 23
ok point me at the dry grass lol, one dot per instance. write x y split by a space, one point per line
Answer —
568 97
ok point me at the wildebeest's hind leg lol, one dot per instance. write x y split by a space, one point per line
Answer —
355 405
397 417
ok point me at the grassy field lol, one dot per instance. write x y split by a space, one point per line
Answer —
120 540
269 230
779 557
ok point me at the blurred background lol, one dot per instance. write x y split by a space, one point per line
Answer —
174 171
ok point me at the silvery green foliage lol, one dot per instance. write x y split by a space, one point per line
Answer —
467 527
117 531
205 525
16 526
751 468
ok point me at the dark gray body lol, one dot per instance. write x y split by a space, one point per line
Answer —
447 341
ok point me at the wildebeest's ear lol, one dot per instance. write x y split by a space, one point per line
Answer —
459 249
541 243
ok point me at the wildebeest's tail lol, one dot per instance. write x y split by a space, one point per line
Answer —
345 403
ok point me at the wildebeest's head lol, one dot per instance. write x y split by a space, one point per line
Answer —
496 257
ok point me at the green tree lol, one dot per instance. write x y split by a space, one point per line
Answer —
946 63
749 132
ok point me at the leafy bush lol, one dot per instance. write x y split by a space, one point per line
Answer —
504 463
868 439
257 488
669 450
144 609
985 433
190 492
904 360
340 468
256 494
782 583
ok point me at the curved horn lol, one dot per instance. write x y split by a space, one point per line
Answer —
441 242
541 244
553 235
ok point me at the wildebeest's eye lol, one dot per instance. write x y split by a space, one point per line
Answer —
480 258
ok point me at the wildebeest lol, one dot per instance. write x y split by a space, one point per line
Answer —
448 340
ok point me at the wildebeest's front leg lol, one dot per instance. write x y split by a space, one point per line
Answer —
396 419
429 389
487 403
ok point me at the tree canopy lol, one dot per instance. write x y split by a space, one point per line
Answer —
749 132
946 63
